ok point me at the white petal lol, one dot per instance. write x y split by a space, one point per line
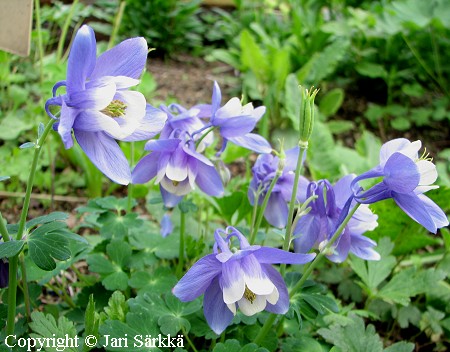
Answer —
423 189
234 292
179 189
428 173
261 285
251 308
274 296
232 307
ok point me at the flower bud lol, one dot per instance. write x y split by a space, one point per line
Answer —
306 113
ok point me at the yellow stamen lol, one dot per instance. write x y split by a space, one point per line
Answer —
249 295
175 183
115 109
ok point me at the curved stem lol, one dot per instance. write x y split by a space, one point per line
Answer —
268 325
117 22
263 207
13 262
66 25
179 270
289 228
189 340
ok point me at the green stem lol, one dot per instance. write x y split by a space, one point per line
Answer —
26 292
3 230
117 22
263 207
180 266
189 340
197 143
62 38
298 170
13 262
268 325
37 10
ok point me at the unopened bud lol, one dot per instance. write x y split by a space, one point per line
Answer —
306 113
223 171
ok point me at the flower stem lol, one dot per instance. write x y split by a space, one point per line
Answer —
263 207
117 22
26 292
290 219
268 325
37 11
13 263
189 340
66 25
180 266
3 230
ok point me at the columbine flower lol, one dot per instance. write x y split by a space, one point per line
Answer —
264 171
316 228
406 176
235 122
166 225
241 277
98 106
178 167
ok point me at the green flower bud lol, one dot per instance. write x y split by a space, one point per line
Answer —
306 113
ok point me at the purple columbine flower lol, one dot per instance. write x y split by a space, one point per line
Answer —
178 167
99 107
166 225
238 277
264 171
314 229
235 122
406 176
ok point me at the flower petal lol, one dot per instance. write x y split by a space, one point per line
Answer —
149 126
391 147
163 145
145 169
106 155
436 213
237 126
126 59
307 233
217 313
282 305
233 282
170 200
208 180
65 124
361 246
253 142
199 277
216 98
251 308
401 173
427 171
276 212
415 208
96 98
268 255
81 60
255 279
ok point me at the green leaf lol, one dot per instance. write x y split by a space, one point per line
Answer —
340 126
331 102
45 326
99 264
408 283
303 343
119 252
353 337
44 249
291 100
10 248
408 315
232 345
372 273
3 178
55 216
401 346
164 248
371 70
27 145
401 123
117 226
252 57
160 281
117 307
91 321
116 281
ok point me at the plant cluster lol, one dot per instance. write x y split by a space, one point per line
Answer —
144 280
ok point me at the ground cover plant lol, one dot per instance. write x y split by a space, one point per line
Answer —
312 245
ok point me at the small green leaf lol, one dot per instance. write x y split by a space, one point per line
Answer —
91 321
371 70
55 216
119 252
401 346
41 129
116 281
10 248
331 102
3 178
117 307
44 249
27 145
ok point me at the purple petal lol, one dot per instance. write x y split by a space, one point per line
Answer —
391 147
341 248
81 59
170 200
342 190
233 282
195 282
96 98
253 142
401 173
307 231
53 101
216 98
436 213
204 110
150 126
237 126
414 207
65 124
268 255
126 59
166 225
291 159
106 155
276 212
361 246
163 145
197 156
177 168
96 121
374 194
145 169
282 306
217 314
208 180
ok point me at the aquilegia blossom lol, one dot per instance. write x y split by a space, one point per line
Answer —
235 122
264 171
98 106
316 228
238 276
406 176
178 167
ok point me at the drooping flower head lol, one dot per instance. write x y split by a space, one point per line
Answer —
238 277
178 167
98 105
315 229
406 176
264 172
235 122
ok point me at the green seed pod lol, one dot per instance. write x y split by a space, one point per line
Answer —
306 113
